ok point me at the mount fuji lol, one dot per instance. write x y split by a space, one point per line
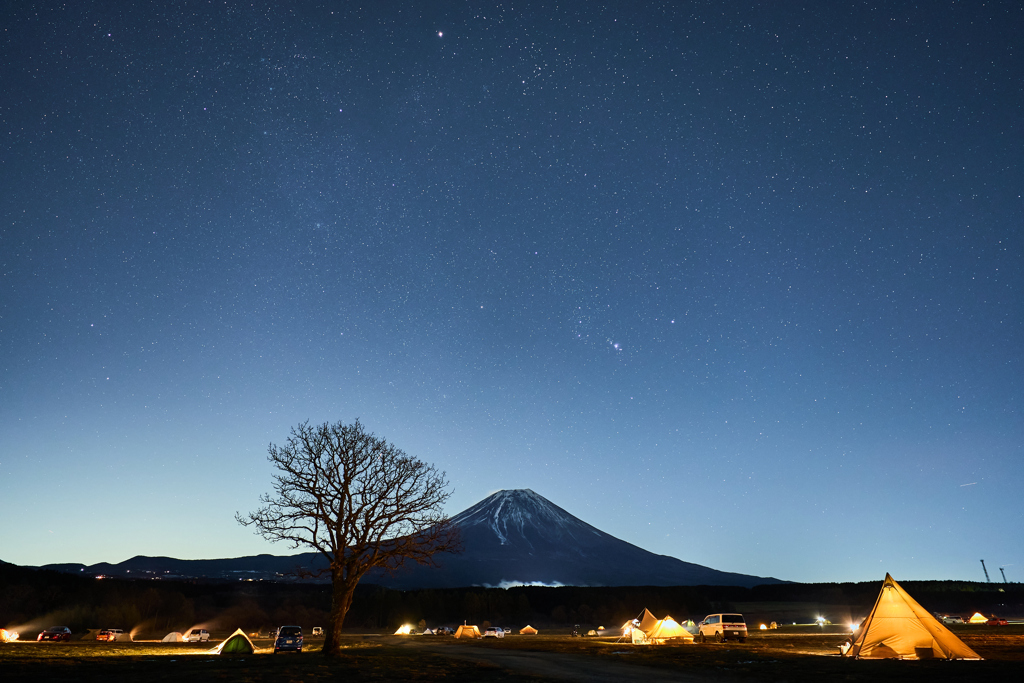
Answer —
519 537
509 538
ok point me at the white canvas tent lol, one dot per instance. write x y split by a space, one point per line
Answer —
899 628
172 637
647 621
646 629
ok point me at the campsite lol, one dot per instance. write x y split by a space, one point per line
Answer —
793 654
537 646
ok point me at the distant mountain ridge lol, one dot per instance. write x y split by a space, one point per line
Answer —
511 537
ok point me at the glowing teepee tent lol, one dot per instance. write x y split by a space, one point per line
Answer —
899 628
647 621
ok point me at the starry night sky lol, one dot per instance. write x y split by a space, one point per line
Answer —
736 282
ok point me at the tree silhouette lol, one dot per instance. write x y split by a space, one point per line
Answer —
357 499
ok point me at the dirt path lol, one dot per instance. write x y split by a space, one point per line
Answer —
556 666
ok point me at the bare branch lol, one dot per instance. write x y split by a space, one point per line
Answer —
356 499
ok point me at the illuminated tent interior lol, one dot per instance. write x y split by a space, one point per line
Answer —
899 628
528 631
978 618
669 629
172 637
236 644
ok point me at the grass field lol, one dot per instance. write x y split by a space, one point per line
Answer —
776 656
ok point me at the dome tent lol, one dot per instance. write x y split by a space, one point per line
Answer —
236 644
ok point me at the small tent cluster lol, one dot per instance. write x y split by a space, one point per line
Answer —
647 629
899 628
236 644
468 632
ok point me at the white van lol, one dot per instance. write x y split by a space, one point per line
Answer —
196 635
722 627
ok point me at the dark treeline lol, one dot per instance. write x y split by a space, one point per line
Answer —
40 598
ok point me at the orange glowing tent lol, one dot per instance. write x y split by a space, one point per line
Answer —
470 631
899 628
669 629
528 631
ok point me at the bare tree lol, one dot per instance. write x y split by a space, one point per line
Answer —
358 500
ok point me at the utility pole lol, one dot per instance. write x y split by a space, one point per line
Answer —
987 580
1004 575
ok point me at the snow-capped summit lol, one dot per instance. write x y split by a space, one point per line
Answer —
520 517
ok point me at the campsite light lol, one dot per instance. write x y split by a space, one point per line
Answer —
820 620
763 627
853 628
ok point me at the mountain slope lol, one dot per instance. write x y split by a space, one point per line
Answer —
519 536
510 537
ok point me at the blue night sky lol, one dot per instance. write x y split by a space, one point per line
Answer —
736 282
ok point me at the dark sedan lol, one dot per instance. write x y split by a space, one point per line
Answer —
57 633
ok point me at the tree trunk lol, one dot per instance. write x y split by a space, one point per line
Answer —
342 590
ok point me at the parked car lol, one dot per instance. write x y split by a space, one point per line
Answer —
722 627
318 631
288 638
109 634
997 621
952 619
196 635
494 632
56 633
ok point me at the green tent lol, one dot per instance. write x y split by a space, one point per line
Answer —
236 644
